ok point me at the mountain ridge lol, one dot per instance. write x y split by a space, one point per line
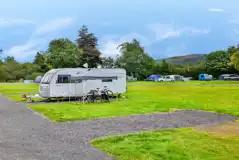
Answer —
185 59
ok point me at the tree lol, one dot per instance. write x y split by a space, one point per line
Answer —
40 62
162 68
193 70
3 73
12 69
131 46
86 39
235 60
165 67
232 49
0 55
218 62
28 69
9 59
88 43
134 60
63 53
107 62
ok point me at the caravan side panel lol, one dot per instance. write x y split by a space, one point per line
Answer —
116 85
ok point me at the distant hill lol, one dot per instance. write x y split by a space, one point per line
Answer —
191 58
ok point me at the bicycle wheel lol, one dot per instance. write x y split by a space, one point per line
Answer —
110 94
90 96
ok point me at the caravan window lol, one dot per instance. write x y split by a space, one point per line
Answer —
107 80
46 79
63 79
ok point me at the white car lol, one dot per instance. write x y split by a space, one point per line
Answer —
165 79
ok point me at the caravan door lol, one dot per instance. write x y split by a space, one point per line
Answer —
64 87
78 88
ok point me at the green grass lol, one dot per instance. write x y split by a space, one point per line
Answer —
15 91
17 86
189 82
18 98
173 144
141 99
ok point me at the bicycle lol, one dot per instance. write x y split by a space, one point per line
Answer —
95 95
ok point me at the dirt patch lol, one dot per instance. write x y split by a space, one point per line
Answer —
222 130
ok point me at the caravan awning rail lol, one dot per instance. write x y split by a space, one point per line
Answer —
92 77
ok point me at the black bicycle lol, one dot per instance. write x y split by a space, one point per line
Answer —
99 95
107 95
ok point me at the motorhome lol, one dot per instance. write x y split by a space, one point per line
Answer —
76 82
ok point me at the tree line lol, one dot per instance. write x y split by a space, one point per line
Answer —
64 53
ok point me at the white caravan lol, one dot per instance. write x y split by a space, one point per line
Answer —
76 82
176 77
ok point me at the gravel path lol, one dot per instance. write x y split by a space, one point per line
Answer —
25 135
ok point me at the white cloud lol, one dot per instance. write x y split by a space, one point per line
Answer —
198 31
10 22
41 37
20 52
53 25
109 43
171 34
109 49
215 10
165 31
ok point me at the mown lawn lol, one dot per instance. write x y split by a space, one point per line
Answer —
172 144
142 99
14 91
189 82
8 86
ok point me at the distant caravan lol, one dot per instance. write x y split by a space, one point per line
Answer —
77 82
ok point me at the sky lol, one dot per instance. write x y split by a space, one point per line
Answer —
164 28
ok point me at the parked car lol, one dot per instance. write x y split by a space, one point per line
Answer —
232 77
165 79
153 78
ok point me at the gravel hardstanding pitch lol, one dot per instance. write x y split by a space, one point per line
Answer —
25 135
